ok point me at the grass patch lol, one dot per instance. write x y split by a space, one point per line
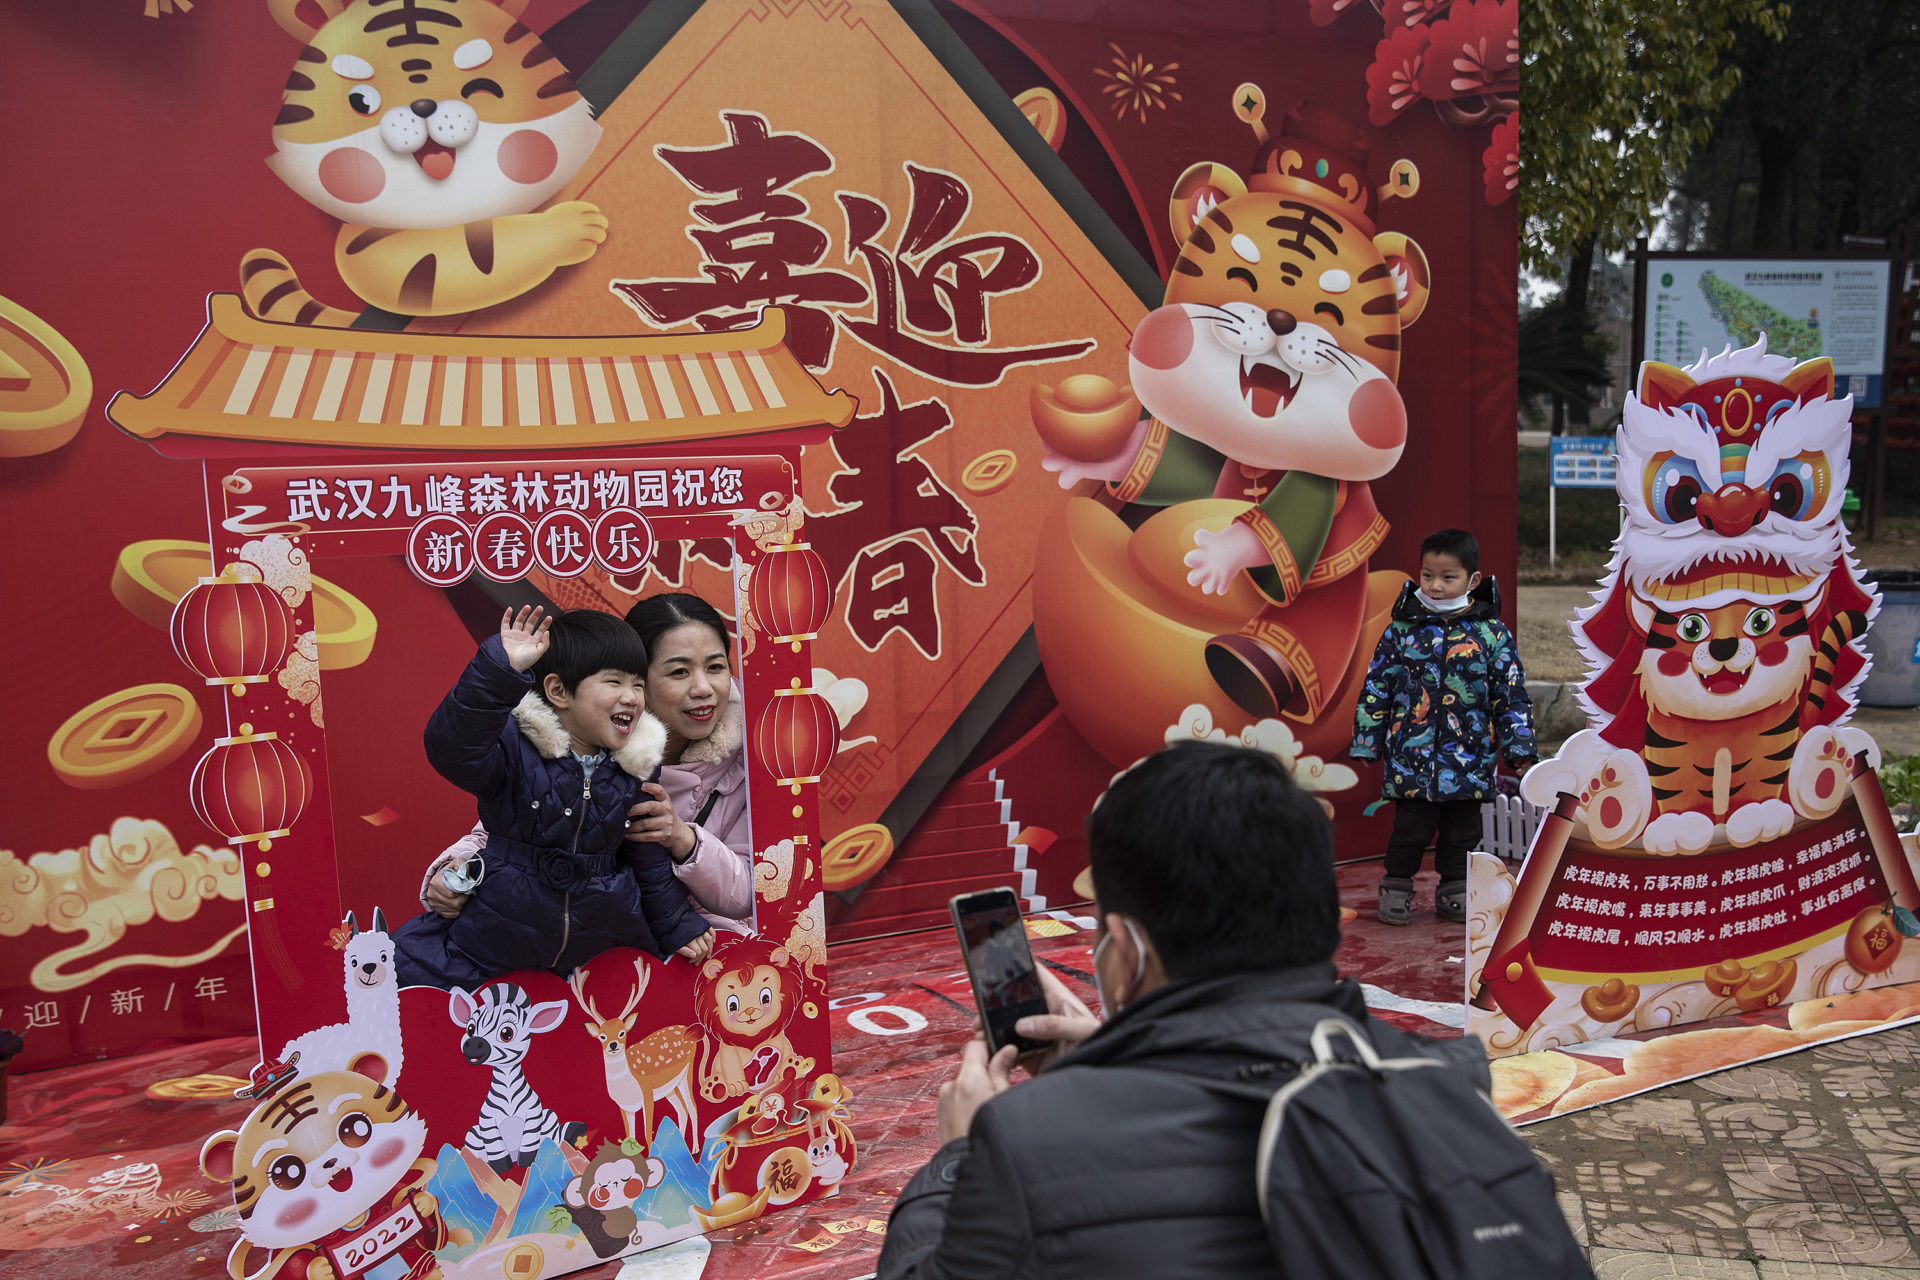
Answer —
1589 518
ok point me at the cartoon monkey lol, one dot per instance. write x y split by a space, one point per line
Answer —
744 998
600 1201
434 131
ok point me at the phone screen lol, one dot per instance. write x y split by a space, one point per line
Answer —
1006 985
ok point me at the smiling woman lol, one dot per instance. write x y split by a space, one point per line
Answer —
696 808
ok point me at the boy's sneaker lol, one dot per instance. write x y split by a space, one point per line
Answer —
1396 900
1450 900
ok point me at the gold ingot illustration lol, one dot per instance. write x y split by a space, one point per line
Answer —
731 1209
1766 986
1086 418
150 577
125 736
1610 1001
1158 552
45 387
855 856
1105 622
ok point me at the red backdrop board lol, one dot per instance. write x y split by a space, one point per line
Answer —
964 206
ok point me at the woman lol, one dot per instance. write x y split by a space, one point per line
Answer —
698 808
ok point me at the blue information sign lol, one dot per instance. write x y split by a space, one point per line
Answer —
1581 462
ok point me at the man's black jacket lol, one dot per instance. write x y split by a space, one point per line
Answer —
1115 1163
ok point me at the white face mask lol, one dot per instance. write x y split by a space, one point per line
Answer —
1454 605
1107 1007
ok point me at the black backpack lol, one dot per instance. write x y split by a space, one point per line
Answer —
1374 1168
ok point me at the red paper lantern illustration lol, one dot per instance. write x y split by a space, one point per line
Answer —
797 736
232 632
250 787
791 592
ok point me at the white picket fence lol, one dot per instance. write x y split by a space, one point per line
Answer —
1507 825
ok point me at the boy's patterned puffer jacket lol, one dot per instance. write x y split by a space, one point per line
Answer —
1443 693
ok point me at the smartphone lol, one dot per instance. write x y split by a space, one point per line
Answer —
1006 985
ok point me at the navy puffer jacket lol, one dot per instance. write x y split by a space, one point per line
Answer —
561 884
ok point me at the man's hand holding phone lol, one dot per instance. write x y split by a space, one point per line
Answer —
1064 1026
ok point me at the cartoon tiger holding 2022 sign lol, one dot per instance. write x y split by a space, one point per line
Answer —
1268 378
433 130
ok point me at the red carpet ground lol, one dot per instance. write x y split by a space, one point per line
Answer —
99 1173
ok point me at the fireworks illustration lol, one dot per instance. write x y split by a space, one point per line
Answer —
1137 84
37 1171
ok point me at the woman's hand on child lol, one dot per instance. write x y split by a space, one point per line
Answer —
654 822
524 637
699 949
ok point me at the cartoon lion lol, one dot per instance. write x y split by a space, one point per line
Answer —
744 998
433 130
1268 384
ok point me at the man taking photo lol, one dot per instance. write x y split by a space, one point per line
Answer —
1218 919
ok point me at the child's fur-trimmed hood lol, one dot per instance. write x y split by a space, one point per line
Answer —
540 725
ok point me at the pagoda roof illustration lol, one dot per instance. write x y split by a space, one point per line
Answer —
246 379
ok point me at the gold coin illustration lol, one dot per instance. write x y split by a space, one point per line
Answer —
786 1174
990 472
44 385
193 1088
855 855
150 577
523 1262
124 736
1048 113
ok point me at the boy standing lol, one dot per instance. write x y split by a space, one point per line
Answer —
1445 691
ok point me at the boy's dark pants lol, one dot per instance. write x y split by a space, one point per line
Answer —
1414 824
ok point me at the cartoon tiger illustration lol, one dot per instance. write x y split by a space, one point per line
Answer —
1268 380
433 129
1725 645
329 1181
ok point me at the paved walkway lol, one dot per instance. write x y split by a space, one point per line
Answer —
1801 1166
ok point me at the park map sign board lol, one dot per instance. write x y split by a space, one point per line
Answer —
1808 308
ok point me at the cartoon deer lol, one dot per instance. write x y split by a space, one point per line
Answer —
657 1068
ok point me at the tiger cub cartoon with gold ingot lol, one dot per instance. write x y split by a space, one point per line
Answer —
434 130
329 1181
1268 380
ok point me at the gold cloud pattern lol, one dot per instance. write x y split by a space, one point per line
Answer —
132 875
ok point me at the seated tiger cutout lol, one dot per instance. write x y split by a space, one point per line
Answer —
1267 378
434 131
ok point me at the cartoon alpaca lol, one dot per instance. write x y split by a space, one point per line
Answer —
500 1022
373 1009
656 1068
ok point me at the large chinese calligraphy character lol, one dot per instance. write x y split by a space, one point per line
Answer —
945 291
892 575
757 243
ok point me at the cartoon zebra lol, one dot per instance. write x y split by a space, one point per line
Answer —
500 1023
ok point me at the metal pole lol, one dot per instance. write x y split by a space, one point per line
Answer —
1553 517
